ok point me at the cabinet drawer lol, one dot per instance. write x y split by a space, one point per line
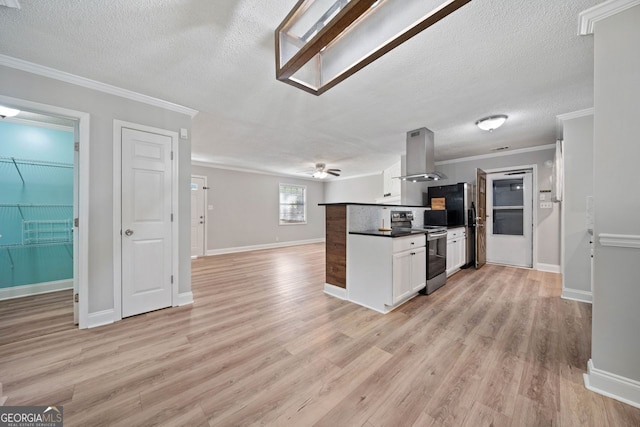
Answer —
454 233
410 242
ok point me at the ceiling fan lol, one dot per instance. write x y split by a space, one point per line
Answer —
322 171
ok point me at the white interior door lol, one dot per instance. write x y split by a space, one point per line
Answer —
510 218
146 222
198 184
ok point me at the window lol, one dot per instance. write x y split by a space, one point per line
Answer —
293 199
508 207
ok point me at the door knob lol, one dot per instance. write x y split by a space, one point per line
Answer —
128 232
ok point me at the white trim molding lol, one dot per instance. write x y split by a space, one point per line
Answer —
589 17
261 247
576 114
619 240
81 253
52 73
611 385
550 268
335 291
212 165
101 318
185 298
577 295
498 154
35 289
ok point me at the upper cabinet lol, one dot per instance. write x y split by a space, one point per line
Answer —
391 186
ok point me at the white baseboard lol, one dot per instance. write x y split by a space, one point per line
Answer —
35 289
577 295
611 385
101 318
550 268
260 247
335 291
185 298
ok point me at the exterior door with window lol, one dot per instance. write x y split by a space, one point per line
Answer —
481 216
510 222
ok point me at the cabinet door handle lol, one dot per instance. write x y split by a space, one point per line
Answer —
413 253
413 243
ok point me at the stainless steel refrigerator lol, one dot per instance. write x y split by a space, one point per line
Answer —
460 211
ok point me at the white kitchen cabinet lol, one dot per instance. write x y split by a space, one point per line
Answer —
384 272
409 273
456 248
391 186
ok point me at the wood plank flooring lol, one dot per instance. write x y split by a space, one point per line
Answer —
263 345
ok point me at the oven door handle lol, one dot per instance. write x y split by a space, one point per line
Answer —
435 236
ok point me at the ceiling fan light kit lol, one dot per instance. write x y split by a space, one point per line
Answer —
322 171
492 123
322 42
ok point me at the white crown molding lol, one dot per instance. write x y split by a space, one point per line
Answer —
212 165
14 4
41 70
500 154
619 240
575 114
589 17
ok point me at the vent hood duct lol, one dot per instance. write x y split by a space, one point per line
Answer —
420 157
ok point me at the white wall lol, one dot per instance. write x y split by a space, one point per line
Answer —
364 189
616 294
578 184
104 108
245 209
548 219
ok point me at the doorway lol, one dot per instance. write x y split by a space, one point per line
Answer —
198 216
510 223
43 209
145 219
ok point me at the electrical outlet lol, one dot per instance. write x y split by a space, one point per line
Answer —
543 196
546 205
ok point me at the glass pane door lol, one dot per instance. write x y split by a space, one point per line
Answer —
508 206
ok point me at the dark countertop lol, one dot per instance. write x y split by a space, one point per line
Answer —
372 204
393 233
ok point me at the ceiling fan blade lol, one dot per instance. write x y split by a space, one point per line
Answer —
334 170
330 172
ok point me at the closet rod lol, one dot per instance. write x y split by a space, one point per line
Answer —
36 162
31 205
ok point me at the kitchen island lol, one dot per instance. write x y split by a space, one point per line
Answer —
377 269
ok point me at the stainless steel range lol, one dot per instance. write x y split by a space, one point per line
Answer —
436 248
436 257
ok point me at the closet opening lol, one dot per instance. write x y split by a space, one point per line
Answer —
38 207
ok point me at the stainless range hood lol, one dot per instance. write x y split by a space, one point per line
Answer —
420 157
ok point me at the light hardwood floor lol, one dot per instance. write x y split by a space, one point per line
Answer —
263 345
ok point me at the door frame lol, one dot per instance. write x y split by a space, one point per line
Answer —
534 204
118 125
82 251
206 215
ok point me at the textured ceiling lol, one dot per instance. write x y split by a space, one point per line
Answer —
522 58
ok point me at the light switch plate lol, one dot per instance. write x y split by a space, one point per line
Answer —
210 207
546 205
184 133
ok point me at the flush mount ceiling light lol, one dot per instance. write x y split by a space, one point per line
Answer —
8 112
492 122
322 42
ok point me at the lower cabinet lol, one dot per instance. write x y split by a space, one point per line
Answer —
409 273
456 250
383 272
